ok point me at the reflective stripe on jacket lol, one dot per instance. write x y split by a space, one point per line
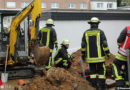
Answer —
61 54
95 45
126 43
48 37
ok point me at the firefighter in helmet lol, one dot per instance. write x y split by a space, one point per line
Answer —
48 37
94 48
120 70
62 58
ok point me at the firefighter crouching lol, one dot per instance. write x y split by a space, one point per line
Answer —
62 57
120 70
48 37
94 47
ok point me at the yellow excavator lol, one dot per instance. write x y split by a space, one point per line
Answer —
18 62
35 10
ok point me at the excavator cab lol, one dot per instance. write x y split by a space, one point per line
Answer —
18 38
21 52
5 22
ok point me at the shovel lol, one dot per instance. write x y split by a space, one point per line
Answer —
4 76
82 67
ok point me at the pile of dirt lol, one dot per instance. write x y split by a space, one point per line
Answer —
62 79
58 79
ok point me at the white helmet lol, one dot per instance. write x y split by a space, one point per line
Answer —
50 21
94 20
66 42
30 22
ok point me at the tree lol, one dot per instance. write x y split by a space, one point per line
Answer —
119 2
127 2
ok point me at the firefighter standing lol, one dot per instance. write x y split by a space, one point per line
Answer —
94 47
120 70
62 58
48 37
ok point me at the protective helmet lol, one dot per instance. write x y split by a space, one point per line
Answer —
30 22
66 42
94 20
50 21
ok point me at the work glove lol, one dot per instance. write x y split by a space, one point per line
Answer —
109 56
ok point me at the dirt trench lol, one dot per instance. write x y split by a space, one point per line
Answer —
62 79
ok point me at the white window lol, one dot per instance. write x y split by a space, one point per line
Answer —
43 5
99 5
54 5
72 5
11 4
109 5
83 6
24 4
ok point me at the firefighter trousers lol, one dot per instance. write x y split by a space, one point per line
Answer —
97 68
61 64
48 64
120 72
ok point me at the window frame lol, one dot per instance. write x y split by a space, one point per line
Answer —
100 5
24 4
8 4
109 5
43 5
72 4
54 5
83 6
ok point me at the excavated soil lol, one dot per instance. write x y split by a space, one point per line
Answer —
62 79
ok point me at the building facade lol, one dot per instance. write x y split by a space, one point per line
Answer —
47 4
103 4
62 4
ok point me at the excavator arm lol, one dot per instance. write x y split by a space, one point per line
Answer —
34 8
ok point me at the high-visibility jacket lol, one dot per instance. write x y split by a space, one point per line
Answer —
61 54
126 43
48 37
94 45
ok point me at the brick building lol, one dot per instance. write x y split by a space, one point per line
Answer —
47 4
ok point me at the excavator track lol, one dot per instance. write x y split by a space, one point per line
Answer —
21 72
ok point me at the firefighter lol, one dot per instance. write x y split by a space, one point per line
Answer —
5 36
48 37
62 58
94 48
120 70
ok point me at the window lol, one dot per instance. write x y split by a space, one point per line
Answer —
54 5
99 5
109 5
83 6
11 4
24 4
43 5
72 5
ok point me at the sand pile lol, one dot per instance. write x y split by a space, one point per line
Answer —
62 79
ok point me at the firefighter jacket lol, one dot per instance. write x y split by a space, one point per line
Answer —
94 45
48 37
61 54
123 42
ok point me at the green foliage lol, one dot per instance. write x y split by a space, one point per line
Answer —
119 2
127 2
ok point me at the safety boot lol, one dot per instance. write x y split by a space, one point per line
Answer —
94 83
